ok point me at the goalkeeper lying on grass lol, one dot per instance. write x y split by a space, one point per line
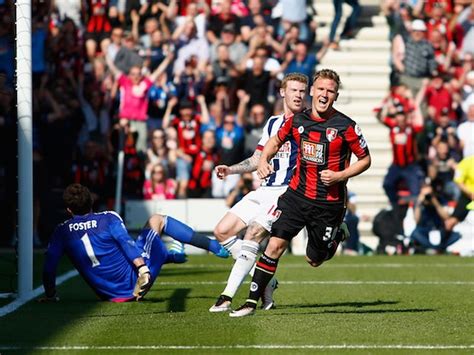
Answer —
116 267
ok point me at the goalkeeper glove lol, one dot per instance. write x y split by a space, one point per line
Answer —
144 282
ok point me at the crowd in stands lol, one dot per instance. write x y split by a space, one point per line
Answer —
429 111
186 85
181 85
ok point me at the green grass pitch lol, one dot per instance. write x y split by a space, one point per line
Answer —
364 305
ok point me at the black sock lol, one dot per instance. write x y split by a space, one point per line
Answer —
264 271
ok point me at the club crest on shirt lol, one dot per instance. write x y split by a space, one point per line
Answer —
313 152
300 129
331 134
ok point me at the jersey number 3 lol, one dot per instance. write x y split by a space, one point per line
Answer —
90 252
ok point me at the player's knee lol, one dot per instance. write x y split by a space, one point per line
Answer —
157 222
315 257
221 232
256 233
312 262
275 248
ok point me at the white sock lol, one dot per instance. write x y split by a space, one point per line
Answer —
241 267
252 270
233 246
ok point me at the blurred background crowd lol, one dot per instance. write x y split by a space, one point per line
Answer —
429 111
191 84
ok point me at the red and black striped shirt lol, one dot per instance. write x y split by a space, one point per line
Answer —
98 16
203 166
403 141
189 136
322 144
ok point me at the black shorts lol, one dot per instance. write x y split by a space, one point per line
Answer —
98 37
322 223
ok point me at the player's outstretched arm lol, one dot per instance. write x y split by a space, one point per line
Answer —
245 166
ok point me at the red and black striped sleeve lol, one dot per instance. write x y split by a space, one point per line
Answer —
285 131
356 141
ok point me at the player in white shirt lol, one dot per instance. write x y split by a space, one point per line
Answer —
256 209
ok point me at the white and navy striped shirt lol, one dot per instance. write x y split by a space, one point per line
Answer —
285 159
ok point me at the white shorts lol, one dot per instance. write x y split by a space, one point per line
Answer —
259 206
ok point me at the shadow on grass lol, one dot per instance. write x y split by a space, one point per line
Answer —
340 304
353 307
177 301
360 311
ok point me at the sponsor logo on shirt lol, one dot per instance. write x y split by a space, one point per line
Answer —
313 152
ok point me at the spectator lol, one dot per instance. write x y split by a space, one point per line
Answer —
445 131
294 13
91 170
465 132
430 215
299 61
441 169
157 152
218 21
127 55
189 46
200 183
190 82
465 30
404 166
159 95
351 21
414 57
228 36
230 142
270 64
254 18
198 12
116 37
96 125
134 99
222 69
439 98
158 186
256 82
187 126
98 27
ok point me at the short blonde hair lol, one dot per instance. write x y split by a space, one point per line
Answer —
294 77
328 74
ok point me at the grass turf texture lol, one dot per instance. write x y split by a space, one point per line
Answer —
373 301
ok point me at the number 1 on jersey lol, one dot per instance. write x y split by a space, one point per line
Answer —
90 252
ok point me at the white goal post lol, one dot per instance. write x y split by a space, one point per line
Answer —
25 148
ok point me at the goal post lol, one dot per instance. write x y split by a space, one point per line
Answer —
25 148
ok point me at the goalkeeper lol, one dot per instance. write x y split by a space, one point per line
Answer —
116 267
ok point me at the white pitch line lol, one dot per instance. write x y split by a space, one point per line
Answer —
337 266
13 306
312 282
250 346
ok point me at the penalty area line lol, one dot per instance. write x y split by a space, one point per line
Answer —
250 346
13 306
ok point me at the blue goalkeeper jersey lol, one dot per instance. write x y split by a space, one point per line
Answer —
100 248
